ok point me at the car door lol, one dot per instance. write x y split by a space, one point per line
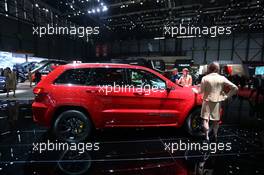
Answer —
145 94
121 99
102 96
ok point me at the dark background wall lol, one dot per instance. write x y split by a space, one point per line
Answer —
16 36
237 47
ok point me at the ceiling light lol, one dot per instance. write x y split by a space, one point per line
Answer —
159 38
98 10
104 8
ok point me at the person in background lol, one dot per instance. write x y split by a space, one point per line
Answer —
37 77
242 81
30 77
175 76
213 87
257 83
7 72
17 74
11 81
1 72
186 79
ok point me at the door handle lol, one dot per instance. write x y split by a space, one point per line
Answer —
91 91
139 93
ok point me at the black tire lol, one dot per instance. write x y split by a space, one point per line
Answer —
193 123
72 126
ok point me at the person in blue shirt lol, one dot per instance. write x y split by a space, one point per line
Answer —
175 76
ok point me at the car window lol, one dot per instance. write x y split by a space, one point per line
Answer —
75 77
107 76
139 78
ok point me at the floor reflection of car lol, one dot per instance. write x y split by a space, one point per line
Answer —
75 98
46 66
2 83
147 163
79 164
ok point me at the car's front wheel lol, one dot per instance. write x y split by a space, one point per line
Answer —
72 126
193 123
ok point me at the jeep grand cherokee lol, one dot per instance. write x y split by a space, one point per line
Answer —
76 98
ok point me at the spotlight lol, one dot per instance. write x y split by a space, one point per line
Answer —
104 8
89 12
93 10
98 10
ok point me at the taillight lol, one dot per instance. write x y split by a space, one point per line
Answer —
40 94
38 90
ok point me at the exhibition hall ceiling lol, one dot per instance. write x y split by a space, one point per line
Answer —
150 16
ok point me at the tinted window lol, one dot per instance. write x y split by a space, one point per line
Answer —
75 76
92 77
139 78
107 76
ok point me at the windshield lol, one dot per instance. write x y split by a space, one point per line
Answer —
38 65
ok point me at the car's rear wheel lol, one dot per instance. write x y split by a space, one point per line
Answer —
72 126
193 123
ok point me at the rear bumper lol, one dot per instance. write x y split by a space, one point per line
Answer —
41 114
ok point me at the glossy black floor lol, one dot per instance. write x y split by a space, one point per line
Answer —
134 151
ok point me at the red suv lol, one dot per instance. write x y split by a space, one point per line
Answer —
76 98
